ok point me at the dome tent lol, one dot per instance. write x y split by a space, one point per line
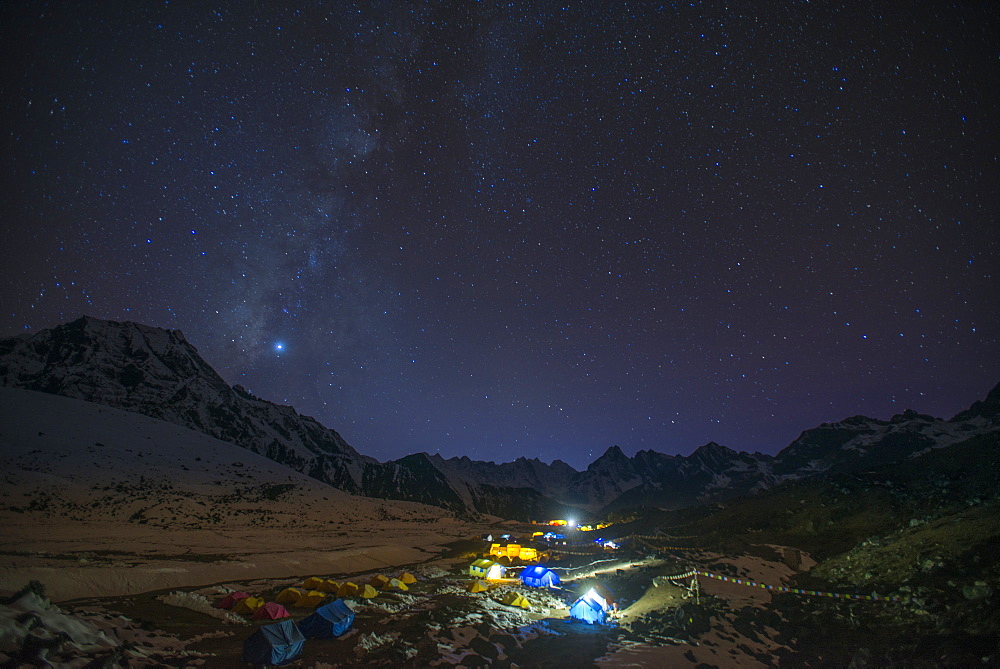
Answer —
275 644
328 621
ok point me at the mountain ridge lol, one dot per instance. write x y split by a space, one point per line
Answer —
159 373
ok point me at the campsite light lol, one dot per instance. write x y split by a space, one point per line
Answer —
571 523
596 598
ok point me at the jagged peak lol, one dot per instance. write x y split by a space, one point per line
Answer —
613 457
988 408
93 326
648 452
713 447
614 452
910 415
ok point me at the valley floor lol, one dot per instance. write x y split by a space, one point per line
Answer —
117 588
121 579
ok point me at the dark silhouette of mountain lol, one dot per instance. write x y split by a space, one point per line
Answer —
158 373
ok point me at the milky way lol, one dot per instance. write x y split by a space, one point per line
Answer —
536 230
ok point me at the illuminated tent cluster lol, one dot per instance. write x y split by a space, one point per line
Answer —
525 553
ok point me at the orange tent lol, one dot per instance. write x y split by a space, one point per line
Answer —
408 578
379 581
313 583
347 589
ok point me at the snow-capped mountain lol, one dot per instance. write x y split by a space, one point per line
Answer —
158 373
73 460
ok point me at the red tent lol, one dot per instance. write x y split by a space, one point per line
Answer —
229 601
271 611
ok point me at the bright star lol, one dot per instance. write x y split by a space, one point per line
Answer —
279 347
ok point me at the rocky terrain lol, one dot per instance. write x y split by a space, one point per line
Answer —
158 373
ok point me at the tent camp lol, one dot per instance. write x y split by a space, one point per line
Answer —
396 584
310 600
275 644
477 586
329 586
516 599
248 605
289 596
487 569
328 621
588 611
524 553
347 589
271 611
379 581
229 601
408 578
313 583
367 592
539 577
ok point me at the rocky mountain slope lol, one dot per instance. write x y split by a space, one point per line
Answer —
158 373
67 459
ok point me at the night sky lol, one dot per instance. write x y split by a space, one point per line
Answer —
532 230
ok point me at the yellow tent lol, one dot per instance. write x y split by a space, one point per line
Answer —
477 586
313 583
329 586
379 581
408 578
348 589
248 605
515 599
396 584
528 553
367 592
513 550
310 600
496 549
289 596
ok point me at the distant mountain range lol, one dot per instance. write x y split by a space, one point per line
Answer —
158 373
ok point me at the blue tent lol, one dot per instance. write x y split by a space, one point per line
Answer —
328 621
275 644
588 611
539 577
